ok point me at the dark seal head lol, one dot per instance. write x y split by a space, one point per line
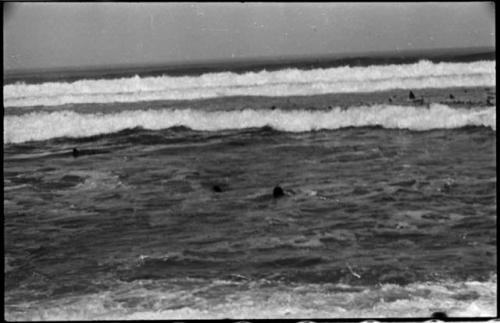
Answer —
76 152
216 188
411 96
439 315
278 192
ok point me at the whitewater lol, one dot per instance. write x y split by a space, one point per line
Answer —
48 125
287 82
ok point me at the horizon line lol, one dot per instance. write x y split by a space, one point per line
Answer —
253 60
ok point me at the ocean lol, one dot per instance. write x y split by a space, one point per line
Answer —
148 193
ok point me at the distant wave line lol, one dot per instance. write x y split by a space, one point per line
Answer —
423 74
242 86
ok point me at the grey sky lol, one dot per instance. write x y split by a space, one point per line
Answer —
48 35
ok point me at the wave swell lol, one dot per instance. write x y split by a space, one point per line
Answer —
47 125
287 82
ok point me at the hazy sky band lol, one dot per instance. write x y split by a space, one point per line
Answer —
51 35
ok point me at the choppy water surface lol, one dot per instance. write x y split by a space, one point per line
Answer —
166 211
375 222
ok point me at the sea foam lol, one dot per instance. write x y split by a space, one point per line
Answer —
457 299
47 125
287 82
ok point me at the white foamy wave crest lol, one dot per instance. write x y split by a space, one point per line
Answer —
47 125
457 299
423 74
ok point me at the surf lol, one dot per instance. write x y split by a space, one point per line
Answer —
285 82
36 126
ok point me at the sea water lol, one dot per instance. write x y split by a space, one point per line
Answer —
166 211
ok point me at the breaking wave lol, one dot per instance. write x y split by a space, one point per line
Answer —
134 301
287 82
47 125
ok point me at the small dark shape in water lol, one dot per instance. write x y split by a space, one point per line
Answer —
411 96
85 152
439 315
451 96
330 107
390 99
446 188
278 192
273 108
216 188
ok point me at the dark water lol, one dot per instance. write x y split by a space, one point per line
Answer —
136 225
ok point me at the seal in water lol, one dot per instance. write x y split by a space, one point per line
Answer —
84 152
278 192
411 96
439 315
216 188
